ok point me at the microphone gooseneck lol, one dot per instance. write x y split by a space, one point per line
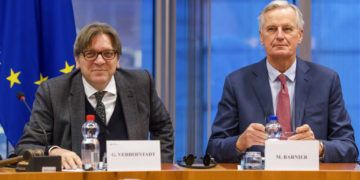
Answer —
21 96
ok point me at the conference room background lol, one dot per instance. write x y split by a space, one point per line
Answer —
191 45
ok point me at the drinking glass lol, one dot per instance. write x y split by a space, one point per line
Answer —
252 160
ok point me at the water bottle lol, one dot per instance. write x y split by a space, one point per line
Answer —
90 148
273 128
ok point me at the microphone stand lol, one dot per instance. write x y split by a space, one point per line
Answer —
35 159
21 96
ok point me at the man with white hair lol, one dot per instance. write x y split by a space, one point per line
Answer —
305 96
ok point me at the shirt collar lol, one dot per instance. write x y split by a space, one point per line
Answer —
90 90
274 73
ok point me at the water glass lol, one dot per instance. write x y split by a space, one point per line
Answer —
253 160
103 163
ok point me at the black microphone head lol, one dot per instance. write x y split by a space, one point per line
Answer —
20 95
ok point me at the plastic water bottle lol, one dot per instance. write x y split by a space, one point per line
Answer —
273 128
90 148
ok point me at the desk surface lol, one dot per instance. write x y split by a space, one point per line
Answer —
342 171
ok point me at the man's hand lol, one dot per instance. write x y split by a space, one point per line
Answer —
69 159
304 132
253 135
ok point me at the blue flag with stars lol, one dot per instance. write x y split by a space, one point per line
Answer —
36 43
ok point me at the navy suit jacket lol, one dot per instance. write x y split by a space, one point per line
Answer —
319 103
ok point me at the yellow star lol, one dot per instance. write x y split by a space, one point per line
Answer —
41 80
13 78
67 68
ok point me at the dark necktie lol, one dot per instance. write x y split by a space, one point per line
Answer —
100 107
283 105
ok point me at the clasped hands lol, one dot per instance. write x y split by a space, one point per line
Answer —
255 135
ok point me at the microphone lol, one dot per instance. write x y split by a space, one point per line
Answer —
34 158
21 96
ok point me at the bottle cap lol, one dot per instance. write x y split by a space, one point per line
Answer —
90 117
272 118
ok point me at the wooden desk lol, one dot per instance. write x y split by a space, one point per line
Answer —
173 172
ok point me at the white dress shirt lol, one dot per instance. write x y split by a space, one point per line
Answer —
109 98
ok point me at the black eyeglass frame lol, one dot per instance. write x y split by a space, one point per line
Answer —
101 53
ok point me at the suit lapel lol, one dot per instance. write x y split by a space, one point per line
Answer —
301 90
128 103
77 111
261 87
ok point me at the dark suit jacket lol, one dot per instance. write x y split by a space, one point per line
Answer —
59 107
319 103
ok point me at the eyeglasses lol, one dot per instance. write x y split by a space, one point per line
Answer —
91 55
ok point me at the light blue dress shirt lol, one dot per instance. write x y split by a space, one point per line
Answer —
275 86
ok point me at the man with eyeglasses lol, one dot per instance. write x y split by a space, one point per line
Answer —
125 102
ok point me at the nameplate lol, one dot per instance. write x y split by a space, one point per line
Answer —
133 155
291 155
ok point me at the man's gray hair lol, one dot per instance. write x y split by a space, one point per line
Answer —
278 4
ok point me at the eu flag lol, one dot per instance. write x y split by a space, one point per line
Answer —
36 43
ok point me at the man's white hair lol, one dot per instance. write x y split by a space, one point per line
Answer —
278 4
